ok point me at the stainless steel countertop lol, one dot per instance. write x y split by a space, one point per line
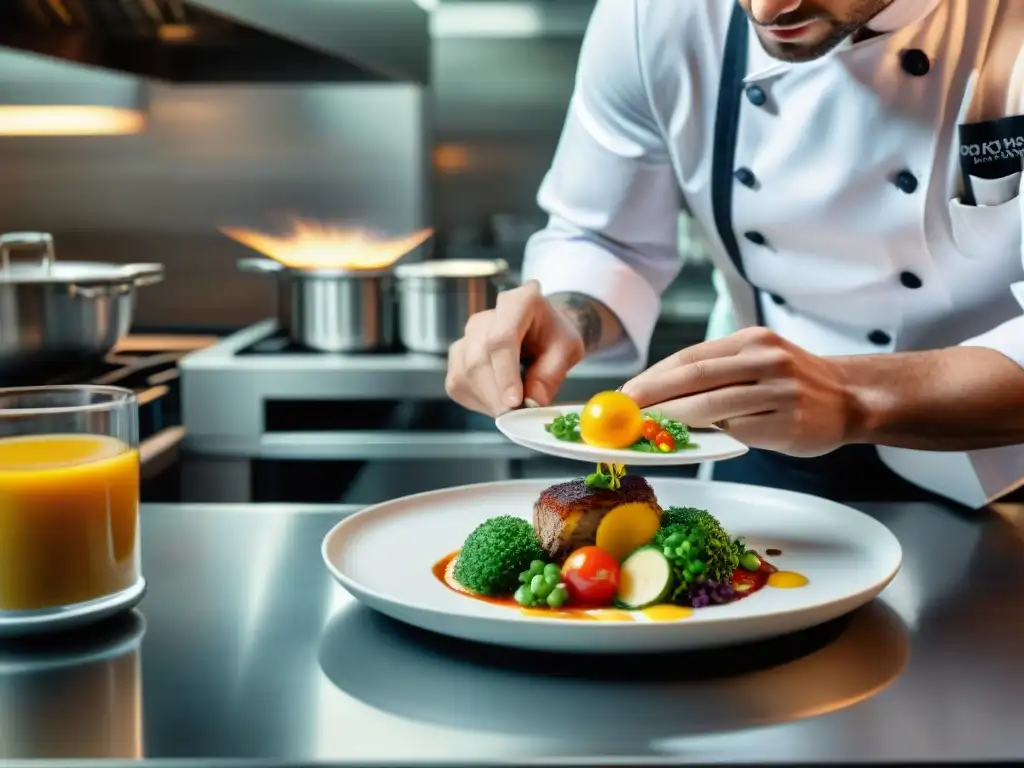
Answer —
244 648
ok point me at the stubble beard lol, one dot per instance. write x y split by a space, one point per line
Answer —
863 13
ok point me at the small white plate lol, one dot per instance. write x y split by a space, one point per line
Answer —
384 556
24 623
525 427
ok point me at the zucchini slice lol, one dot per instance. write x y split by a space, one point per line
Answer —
645 578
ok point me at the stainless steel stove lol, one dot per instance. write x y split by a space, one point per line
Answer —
255 394
255 397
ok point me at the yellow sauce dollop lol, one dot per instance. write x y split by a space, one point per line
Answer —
666 612
787 580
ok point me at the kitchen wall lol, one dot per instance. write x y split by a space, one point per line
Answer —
499 108
214 156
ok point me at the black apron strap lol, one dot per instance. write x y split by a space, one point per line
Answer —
723 163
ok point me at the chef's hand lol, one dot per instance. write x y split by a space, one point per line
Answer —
758 387
484 365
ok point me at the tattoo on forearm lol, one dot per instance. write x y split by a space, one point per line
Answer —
585 314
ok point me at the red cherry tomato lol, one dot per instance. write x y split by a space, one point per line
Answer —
651 429
664 442
591 576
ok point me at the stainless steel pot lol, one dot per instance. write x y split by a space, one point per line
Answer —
333 310
437 297
53 312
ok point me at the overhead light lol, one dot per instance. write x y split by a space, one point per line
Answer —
75 102
510 20
69 121
505 20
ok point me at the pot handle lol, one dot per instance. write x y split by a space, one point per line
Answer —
140 275
145 274
19 240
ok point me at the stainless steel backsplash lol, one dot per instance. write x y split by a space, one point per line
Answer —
214 156
503 102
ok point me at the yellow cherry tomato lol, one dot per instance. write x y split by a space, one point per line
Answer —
611 420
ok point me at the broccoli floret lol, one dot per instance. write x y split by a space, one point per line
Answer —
684 516
714 548
494 555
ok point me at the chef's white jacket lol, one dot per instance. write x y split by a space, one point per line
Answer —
849 218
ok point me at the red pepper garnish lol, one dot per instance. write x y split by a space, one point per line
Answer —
651 429
664 442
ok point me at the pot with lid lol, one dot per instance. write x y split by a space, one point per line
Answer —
57 312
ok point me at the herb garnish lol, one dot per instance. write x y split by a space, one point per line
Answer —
566 427
610 479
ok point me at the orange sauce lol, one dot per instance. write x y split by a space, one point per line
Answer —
562 613
69 508
744 582
613 614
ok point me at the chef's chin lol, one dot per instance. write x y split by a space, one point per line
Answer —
803 50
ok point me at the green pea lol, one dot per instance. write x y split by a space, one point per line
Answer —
696 567
540 587
669 552
686 546
558 597
524 596
552 579
525 576
680 552
551 568
674 540
750 561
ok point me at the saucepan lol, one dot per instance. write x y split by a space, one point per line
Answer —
333 310
436 298
57 312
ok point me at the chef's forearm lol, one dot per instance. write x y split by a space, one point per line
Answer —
598 326
957 399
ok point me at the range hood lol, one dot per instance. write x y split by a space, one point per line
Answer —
229 41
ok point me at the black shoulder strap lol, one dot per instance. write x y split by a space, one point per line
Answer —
730 95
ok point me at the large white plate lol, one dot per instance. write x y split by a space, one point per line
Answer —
383 555
525 427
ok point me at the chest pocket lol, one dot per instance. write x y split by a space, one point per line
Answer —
989 231
986 221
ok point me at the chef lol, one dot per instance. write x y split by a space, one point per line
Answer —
857 167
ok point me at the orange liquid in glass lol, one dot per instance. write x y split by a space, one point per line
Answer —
69 507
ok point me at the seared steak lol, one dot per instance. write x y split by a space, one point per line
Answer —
566 515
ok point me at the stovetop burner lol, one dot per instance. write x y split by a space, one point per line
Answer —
280 343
